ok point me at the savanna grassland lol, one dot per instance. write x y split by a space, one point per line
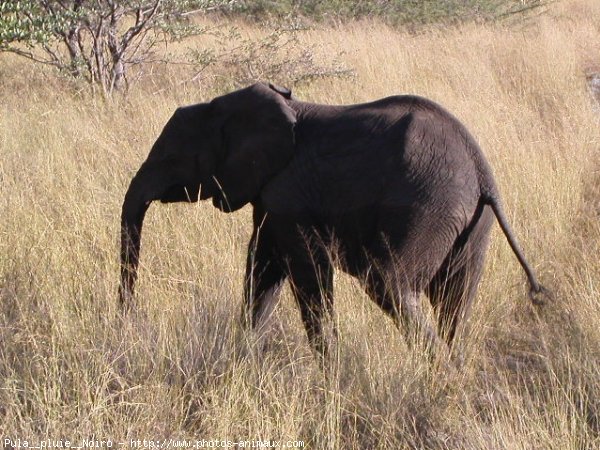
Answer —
73 367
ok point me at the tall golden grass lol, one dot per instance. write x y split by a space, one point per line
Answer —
72 367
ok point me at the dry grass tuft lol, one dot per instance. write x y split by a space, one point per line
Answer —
72 367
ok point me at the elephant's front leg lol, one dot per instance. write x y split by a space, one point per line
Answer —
264 277
312 285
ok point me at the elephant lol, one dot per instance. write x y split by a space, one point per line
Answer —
395 192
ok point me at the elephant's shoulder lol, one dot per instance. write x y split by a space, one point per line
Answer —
284 195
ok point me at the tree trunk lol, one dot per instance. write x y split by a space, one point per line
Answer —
117 54
72 41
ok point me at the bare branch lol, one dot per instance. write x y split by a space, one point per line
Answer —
31 56
140 25
51 52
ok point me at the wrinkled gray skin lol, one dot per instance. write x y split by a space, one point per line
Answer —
398 187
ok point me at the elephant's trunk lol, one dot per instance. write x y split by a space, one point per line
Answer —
135 206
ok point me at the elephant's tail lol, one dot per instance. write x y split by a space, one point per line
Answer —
535 288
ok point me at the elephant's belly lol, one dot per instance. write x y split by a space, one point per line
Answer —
355 238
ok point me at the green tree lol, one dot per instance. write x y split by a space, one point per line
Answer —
99 40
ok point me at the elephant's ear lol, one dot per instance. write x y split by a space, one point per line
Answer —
257 127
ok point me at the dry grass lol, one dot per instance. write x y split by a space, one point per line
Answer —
71 367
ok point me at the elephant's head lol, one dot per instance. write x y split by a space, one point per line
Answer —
226 150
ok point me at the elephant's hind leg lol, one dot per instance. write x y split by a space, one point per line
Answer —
452 297
453 288
414 245
401 302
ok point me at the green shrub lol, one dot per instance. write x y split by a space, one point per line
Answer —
396 12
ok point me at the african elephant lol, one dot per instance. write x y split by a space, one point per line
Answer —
398 187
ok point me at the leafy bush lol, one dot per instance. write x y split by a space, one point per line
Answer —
396 12
278 56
